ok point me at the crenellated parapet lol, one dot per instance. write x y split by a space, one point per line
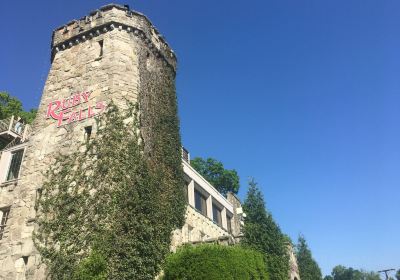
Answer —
108 18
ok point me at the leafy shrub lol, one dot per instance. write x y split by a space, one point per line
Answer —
214 262
93 267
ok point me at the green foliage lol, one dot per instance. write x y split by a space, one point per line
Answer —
308 267
10 106
28 116
94 267
222 179
215 262
263 234
343 273
113 198
398 274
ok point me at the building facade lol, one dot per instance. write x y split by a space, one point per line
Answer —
210 217
101 58
95 60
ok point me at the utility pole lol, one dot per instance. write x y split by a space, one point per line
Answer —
386 272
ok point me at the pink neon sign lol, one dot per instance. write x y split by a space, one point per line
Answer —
63 112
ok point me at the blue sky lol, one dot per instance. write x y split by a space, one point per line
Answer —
301 95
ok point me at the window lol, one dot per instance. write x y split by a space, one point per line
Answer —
217 217
101 43
229 222
15 165
4 217
88 132
200 202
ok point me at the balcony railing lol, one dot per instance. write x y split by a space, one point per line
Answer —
11 124
12 131
185 155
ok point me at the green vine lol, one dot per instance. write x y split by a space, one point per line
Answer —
118 201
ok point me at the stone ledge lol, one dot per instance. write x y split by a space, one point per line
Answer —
9 184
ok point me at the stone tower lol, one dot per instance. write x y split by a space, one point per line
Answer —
112 54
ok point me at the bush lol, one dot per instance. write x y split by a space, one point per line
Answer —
93 267
214 262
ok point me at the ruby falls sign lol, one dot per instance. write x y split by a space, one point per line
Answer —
64 111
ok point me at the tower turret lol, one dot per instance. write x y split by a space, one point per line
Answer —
111 55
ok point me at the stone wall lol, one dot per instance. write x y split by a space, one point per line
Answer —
237 218
197 228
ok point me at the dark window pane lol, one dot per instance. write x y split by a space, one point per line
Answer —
5 212
229 222
101 43
217 218
88 132
200 202
13 171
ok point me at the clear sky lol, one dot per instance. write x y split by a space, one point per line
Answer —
303 96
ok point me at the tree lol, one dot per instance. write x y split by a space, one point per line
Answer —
308 267
28 116
370 275
398 274
212 170
263 234
9 105
12 106
341 272
216 262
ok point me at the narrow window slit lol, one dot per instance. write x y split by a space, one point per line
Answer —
101 43
5 212
88 132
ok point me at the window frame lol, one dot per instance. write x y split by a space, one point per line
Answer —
217 219
5 215
12 153
203 202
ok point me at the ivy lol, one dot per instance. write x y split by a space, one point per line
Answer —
117 202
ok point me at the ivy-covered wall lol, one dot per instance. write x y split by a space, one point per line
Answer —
118 197
160 130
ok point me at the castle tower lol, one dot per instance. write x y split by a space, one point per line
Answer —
113 54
